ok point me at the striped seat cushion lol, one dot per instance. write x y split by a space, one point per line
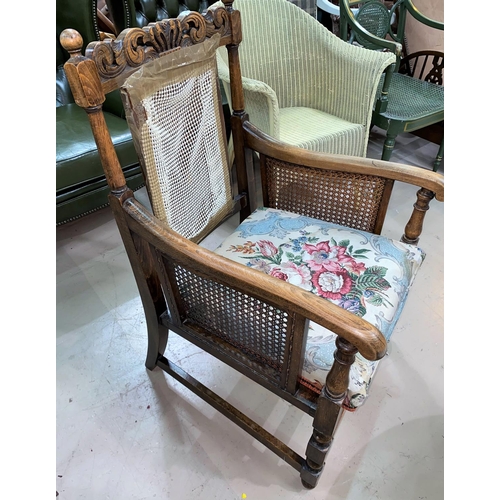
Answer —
319 131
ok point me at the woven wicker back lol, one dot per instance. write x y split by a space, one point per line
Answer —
375 18
277 39
173 110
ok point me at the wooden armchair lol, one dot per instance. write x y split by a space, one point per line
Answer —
304 295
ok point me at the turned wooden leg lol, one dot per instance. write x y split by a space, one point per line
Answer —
439 157
413 229
328 413
389 143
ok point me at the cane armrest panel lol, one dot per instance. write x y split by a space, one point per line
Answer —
314 161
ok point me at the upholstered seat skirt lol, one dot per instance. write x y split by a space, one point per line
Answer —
367 274
319 131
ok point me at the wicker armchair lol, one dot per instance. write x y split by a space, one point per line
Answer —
408 99
303 85
306 264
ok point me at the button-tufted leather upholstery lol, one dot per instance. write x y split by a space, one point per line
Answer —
142 12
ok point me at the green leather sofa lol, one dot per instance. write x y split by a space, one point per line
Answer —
80 184
142 12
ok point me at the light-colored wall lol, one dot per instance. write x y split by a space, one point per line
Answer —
421 37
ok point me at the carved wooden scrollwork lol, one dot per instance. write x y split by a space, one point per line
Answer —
135 46
217 22
424 65
435 75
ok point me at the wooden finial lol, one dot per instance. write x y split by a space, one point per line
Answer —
72 41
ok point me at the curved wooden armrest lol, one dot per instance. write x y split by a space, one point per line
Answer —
416 176
363 335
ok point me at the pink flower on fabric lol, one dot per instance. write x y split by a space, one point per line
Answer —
292 273
332 283
278 274
325 256
322 247
354 266
297 275
338 254
320 255
267 248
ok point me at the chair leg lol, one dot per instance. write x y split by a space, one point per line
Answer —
439 157
328 413
389 143
157 343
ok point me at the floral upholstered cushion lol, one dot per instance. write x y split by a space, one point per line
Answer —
364 273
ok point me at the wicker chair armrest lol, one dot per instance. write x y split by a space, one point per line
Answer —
261 102
363 335
262 107
345 83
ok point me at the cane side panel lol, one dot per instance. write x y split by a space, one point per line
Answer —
253 326
351 200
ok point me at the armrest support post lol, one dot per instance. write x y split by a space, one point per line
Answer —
328 412
381 103
413 229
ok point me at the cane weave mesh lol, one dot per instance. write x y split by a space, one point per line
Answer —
411 98
351 200
177 128
255 327
375 18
